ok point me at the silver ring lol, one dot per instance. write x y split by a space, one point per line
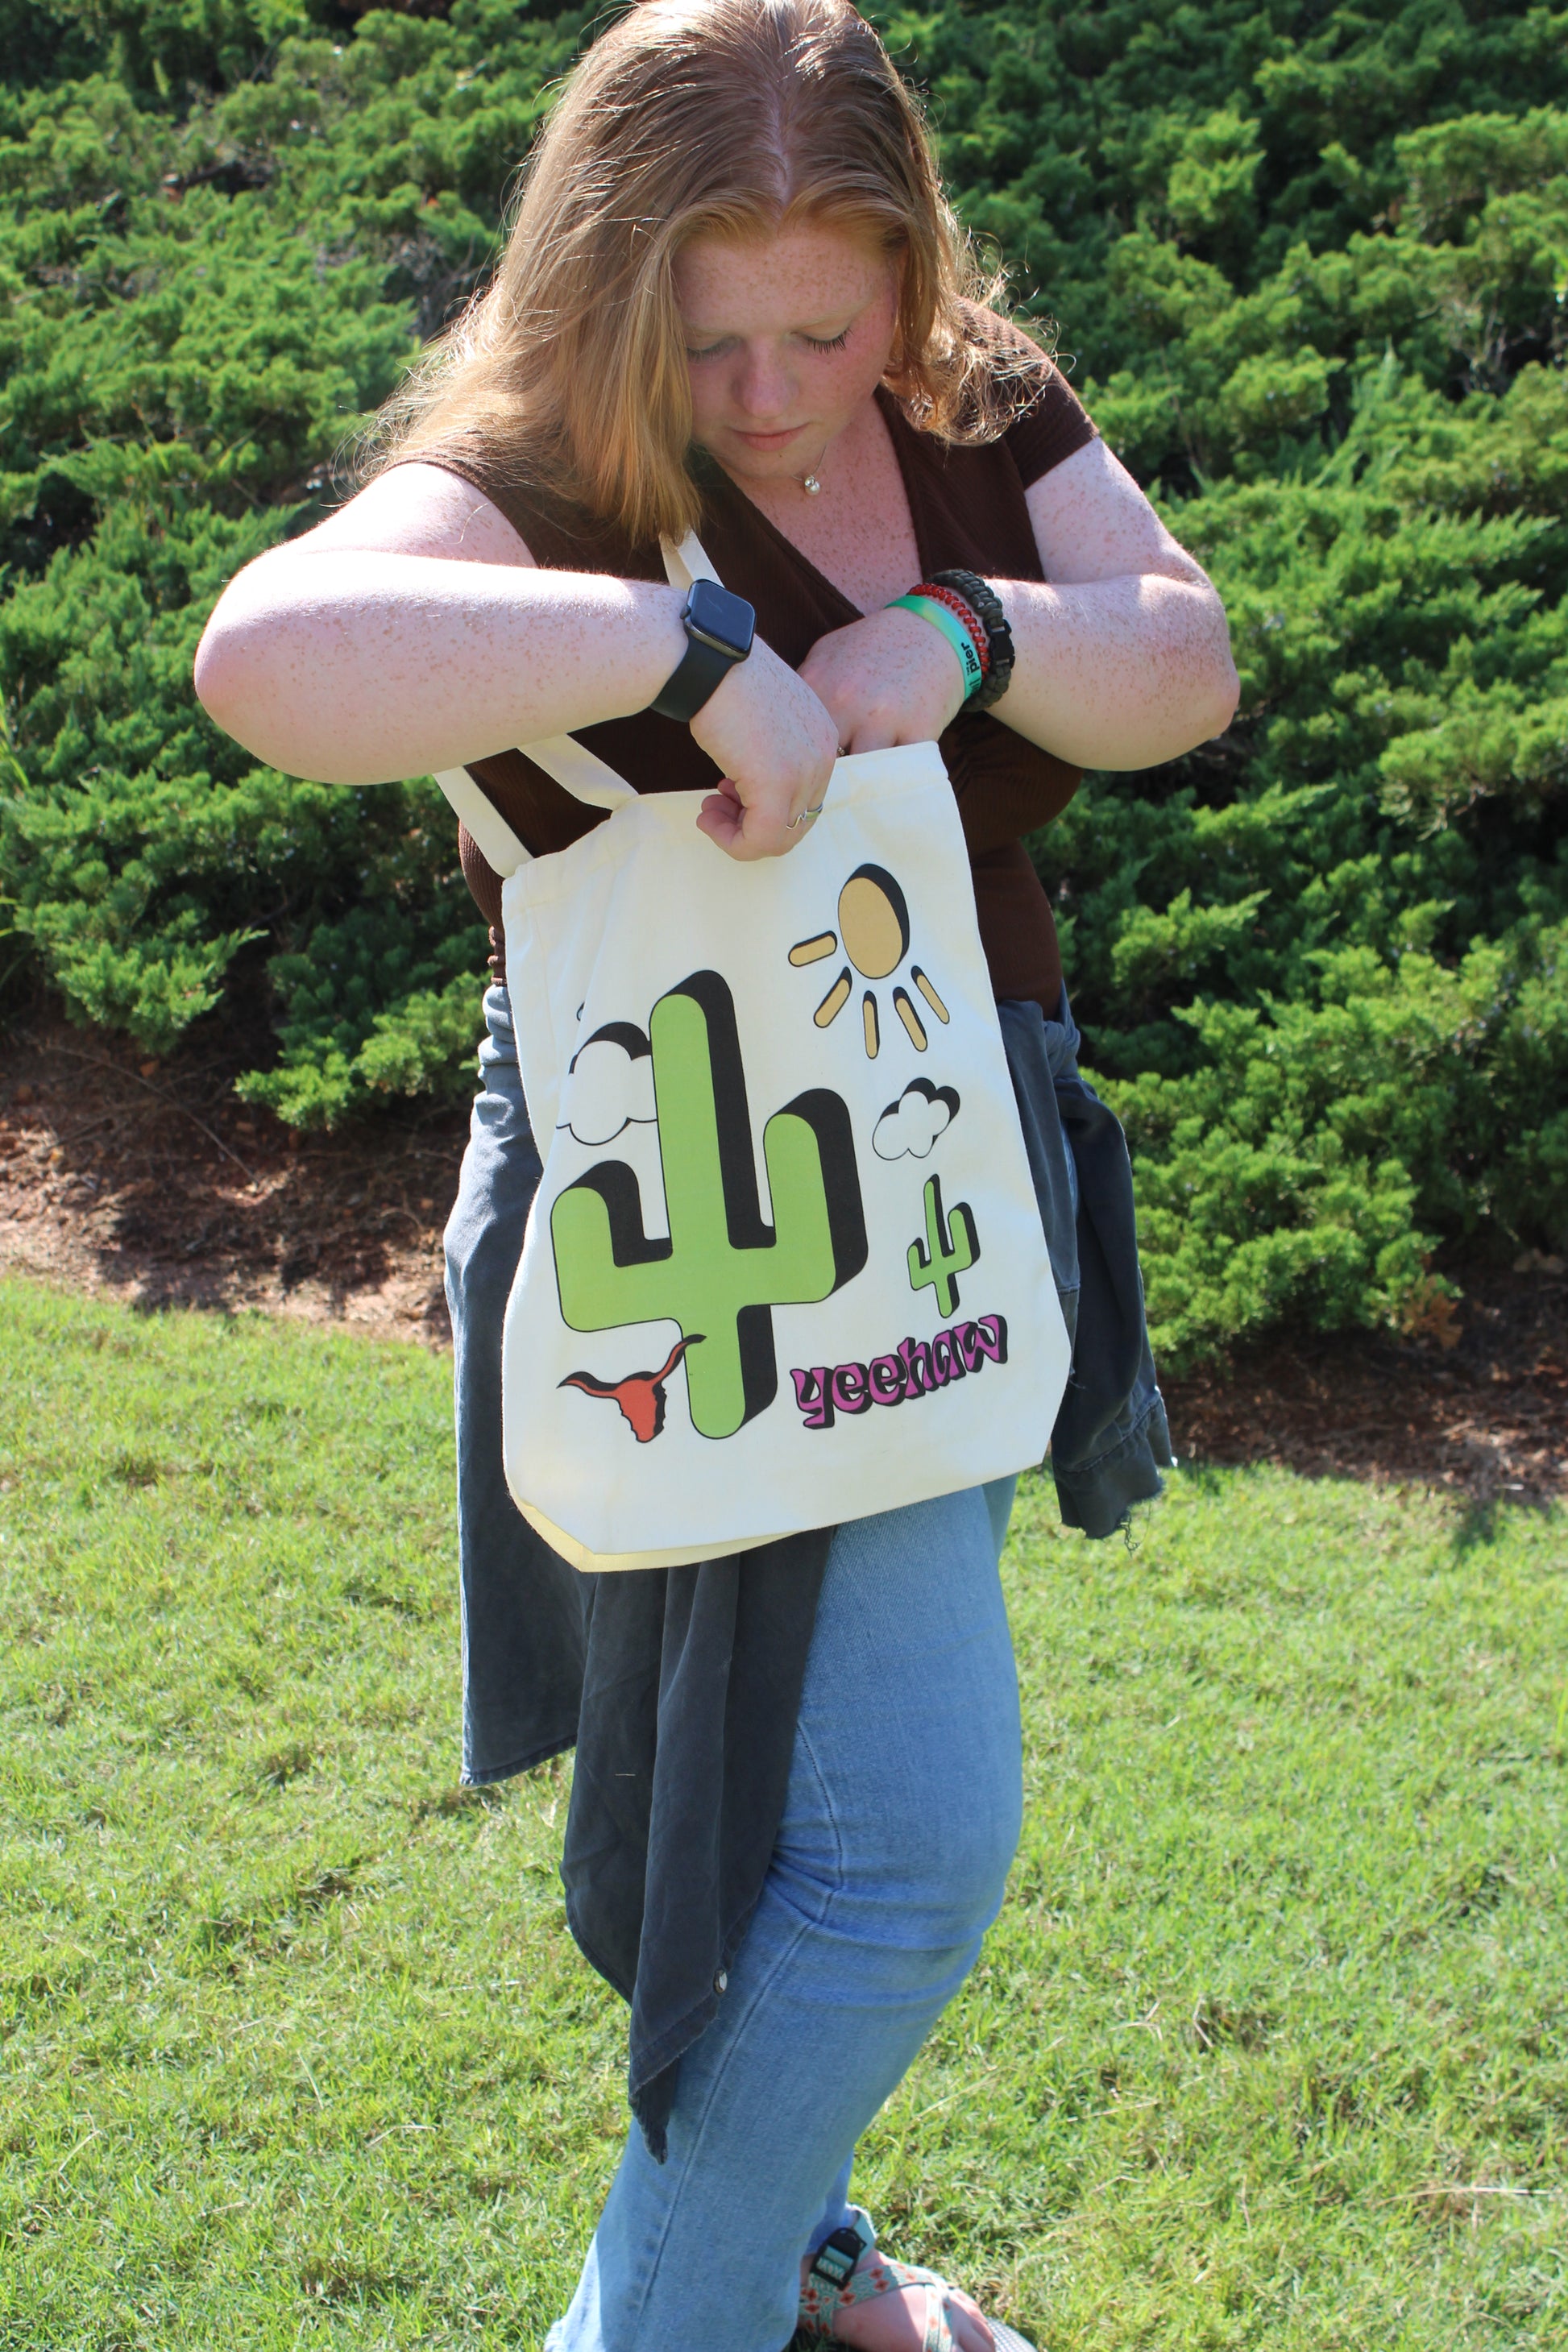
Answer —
790 822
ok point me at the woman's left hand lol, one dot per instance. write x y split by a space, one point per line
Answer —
889 678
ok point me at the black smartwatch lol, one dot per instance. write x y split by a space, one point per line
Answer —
718 632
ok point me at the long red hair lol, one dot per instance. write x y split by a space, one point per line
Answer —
568 374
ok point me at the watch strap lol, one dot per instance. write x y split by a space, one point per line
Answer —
700 673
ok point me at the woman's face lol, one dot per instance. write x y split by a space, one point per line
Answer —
787 338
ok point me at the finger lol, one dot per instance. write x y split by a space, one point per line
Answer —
778 814
872 735
768 834
969 2325
746 833
748 849
720 818
724 801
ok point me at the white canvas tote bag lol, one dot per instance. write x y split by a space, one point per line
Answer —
786 1266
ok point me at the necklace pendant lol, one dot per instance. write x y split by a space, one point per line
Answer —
811 486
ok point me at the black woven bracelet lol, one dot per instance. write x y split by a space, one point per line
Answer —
986 606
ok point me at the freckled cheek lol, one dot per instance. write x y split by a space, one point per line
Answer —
849 377
710 400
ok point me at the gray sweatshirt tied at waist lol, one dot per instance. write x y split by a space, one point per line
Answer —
679 1688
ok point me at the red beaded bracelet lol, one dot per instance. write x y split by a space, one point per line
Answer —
965 614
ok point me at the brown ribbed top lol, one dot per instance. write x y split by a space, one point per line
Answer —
968 509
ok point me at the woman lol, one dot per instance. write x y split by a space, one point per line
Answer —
733 298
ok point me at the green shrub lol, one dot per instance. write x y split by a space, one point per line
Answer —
1308 265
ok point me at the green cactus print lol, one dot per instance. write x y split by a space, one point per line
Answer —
722 1271
951 1247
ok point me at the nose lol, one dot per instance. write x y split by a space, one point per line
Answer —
763 386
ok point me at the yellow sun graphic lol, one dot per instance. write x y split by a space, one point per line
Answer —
874 927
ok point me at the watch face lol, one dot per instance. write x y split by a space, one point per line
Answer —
718 619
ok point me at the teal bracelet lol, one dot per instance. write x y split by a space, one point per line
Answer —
952 629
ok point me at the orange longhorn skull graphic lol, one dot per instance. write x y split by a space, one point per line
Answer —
640 1395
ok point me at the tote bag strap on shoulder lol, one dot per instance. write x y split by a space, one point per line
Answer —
573 767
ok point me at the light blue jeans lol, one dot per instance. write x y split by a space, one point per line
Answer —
904 1805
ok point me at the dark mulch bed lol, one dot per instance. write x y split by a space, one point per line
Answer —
1486 1417
149 1180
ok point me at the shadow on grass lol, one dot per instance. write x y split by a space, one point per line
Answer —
1483 1518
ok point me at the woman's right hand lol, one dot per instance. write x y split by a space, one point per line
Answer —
776 744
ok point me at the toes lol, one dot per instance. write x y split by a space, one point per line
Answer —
968 2323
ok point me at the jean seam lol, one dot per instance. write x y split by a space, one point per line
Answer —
829 1812
805 1927
656 2256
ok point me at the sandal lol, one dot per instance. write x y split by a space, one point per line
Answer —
848 2269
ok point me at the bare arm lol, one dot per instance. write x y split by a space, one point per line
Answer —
1124 650
1123 655
413 630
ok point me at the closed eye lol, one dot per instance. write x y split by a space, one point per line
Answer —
812 343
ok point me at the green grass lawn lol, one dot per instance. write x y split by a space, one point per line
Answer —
1270 2047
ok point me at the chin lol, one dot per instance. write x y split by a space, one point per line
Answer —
763 465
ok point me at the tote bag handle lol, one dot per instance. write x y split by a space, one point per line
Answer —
573 767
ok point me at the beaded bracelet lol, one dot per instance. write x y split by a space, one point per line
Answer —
968 612
983 601
963 614
936 610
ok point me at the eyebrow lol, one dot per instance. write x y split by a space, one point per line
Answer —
800 327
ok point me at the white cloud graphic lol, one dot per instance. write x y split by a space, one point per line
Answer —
610 1085
911 1125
